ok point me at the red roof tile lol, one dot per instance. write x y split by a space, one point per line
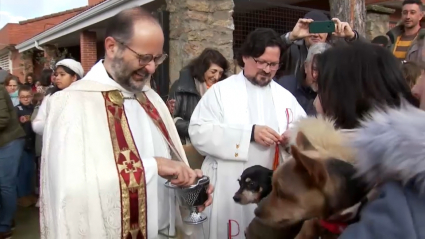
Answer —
55 14
86 9
82 9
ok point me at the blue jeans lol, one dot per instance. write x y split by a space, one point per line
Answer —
26 174
10 155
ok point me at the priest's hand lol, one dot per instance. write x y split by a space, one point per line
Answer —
178 173
265 135
210 190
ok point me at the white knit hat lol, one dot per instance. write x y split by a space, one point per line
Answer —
74 65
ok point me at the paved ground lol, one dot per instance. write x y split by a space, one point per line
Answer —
26 224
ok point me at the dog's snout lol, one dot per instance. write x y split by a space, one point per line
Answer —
237 198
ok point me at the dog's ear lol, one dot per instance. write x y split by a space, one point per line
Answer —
315 169
270 176
302 142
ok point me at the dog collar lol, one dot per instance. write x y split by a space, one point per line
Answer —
333 227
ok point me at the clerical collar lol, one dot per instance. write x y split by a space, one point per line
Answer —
110 76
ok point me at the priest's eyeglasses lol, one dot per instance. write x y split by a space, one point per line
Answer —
263 64
144 59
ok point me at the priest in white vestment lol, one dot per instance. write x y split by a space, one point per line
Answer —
108 141
237 124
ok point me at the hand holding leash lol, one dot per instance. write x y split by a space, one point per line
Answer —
284 140
266 136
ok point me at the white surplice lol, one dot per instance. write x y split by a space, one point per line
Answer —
40 120
220 128
80 190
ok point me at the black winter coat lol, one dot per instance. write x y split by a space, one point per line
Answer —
187 97
24 115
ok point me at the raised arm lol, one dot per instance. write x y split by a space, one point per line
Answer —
211 136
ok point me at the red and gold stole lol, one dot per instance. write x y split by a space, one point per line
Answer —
129 164
134 221
156 118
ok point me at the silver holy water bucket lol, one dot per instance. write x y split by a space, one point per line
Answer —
191 197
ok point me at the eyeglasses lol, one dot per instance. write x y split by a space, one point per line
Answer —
144 59
263 64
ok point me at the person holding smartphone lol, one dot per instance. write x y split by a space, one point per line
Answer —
300 39
297 43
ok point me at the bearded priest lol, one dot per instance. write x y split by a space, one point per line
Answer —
240 122
108 144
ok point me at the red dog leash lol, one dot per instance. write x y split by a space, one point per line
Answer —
276 157
276 150
333 227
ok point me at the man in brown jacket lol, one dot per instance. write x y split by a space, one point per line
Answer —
11 146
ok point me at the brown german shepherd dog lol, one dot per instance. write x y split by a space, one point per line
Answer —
316 183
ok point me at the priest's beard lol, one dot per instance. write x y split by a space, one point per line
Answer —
129 79
261 78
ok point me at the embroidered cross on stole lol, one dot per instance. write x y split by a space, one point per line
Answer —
130 169
129 164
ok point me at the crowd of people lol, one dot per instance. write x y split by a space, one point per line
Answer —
98 147
23 118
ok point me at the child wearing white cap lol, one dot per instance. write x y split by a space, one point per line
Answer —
67 71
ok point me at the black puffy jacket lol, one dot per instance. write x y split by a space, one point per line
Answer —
187 97
24 115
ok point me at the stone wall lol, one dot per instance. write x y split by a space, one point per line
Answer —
196 25
377 21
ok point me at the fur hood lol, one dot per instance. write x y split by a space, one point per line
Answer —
390 145
325 138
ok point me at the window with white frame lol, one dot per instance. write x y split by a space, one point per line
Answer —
4 61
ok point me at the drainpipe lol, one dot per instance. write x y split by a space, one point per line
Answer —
37 46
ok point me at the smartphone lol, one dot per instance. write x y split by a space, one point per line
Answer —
322 27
